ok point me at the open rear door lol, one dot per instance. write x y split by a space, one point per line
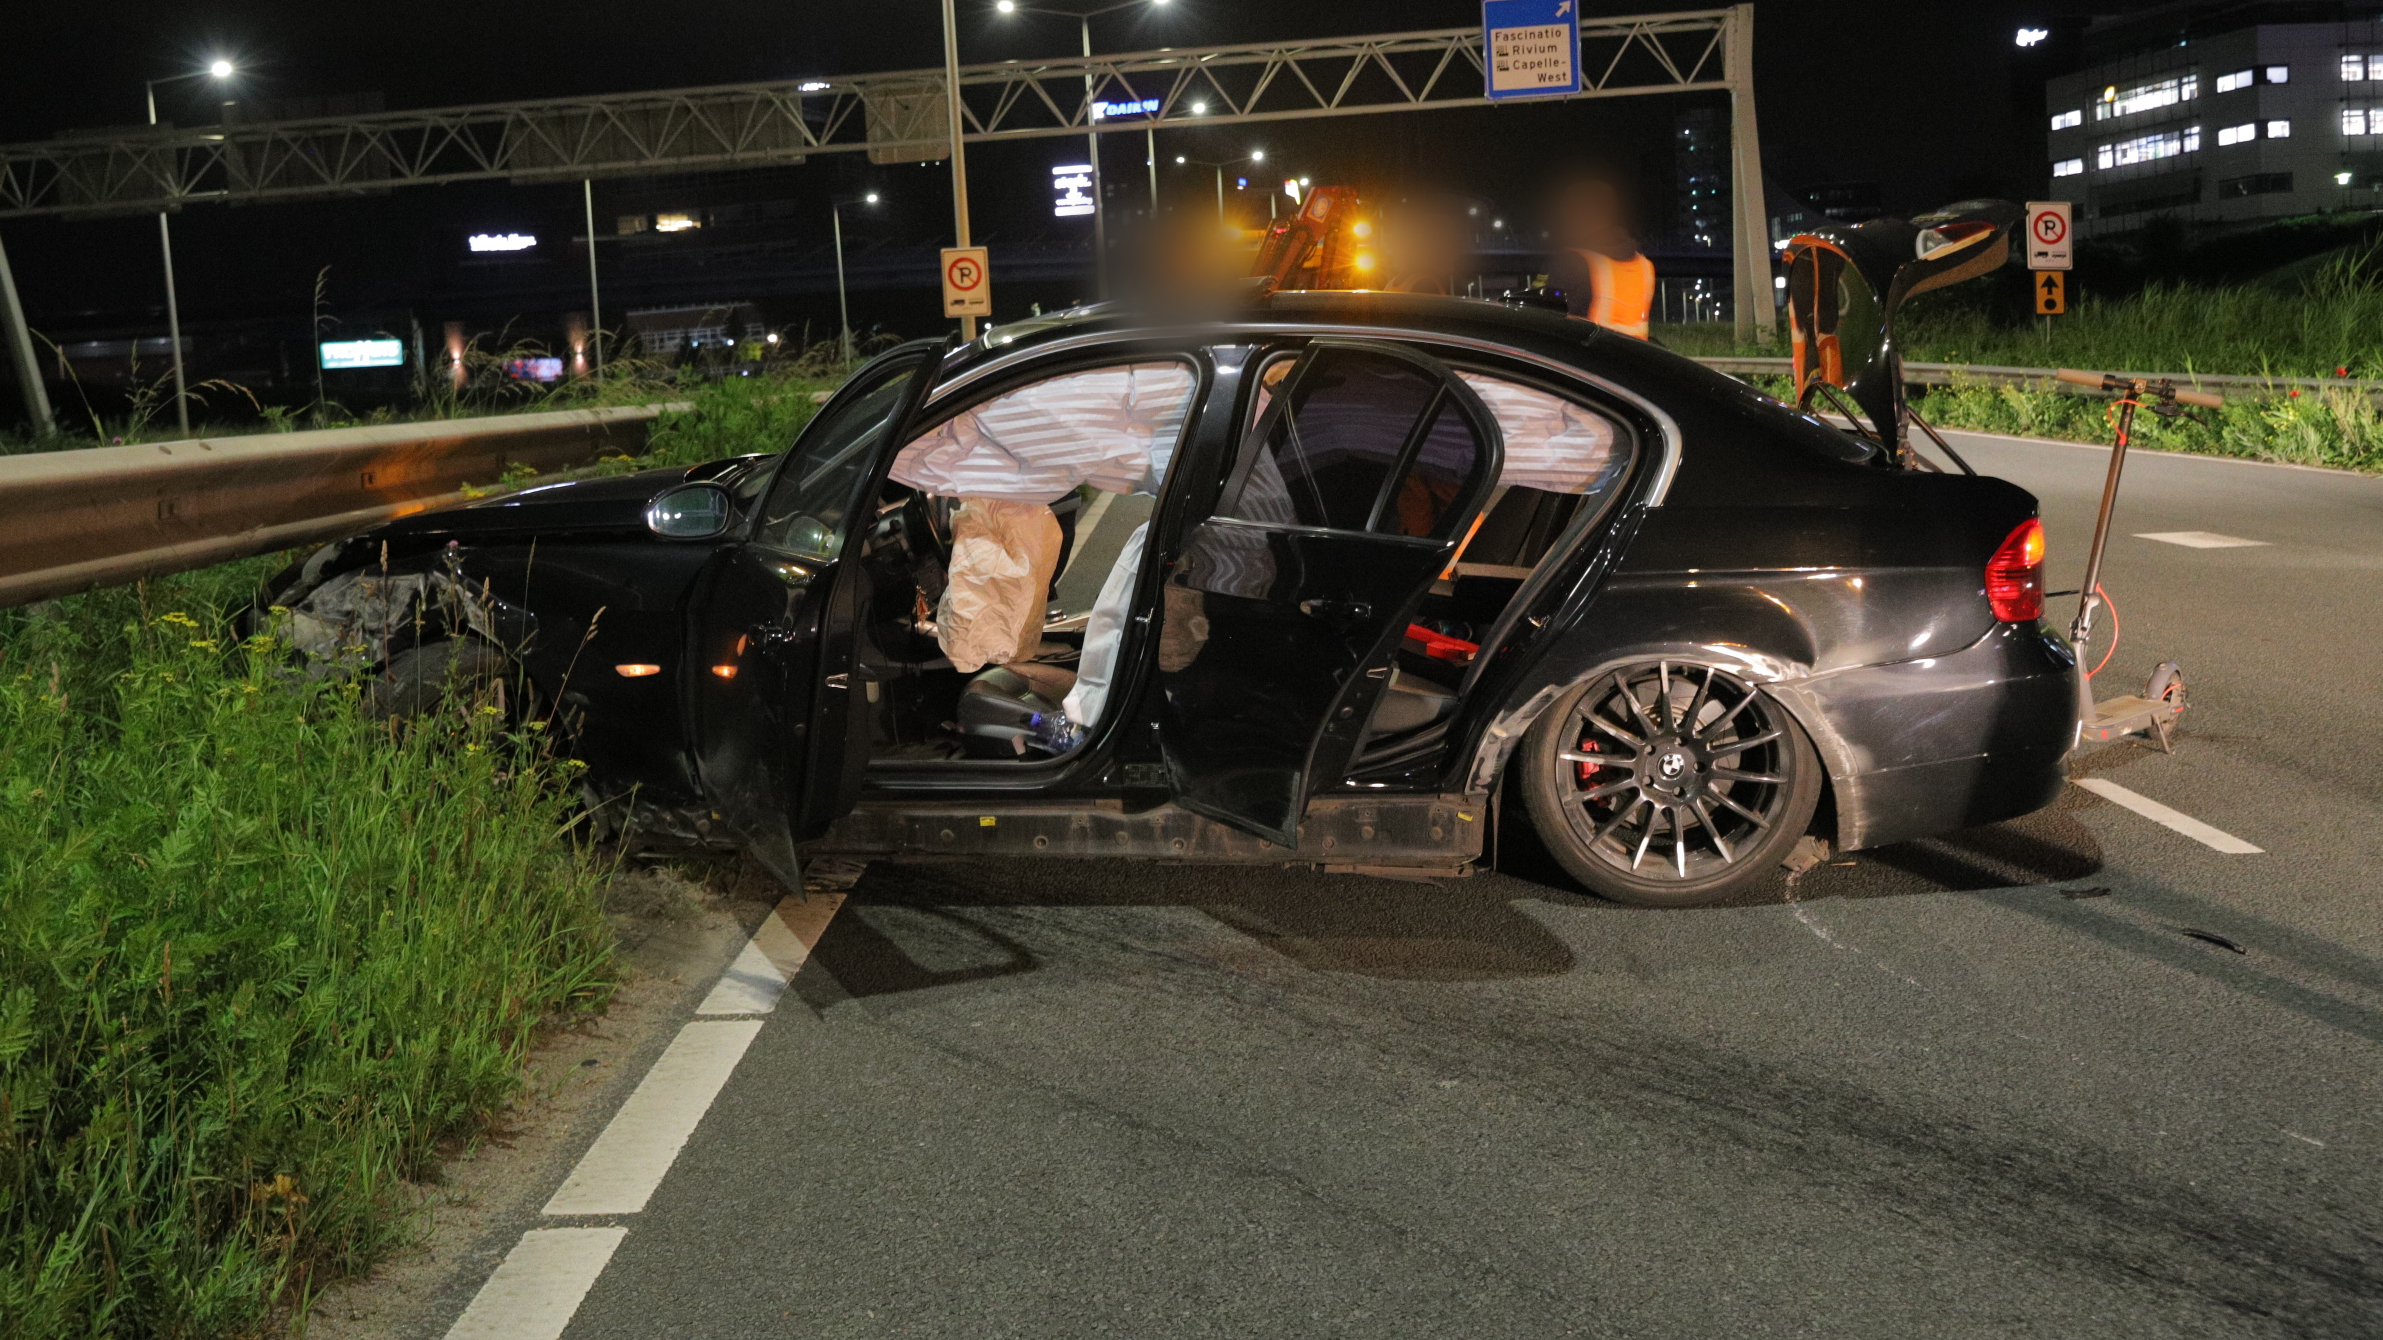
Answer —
1364 468
771 642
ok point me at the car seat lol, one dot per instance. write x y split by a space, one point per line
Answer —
1000 708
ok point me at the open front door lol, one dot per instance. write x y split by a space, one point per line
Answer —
1365 467
771 641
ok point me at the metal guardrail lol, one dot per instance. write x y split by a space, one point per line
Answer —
110 515
2041 379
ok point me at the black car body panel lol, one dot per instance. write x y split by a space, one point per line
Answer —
1743 533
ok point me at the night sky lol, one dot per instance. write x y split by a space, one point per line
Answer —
1916 95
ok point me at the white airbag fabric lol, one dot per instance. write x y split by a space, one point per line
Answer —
1551 443
1104 633
1112 428
1003 555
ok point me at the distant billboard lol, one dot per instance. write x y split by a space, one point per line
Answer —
534 369
343 355
1103 111
1069 184
501 242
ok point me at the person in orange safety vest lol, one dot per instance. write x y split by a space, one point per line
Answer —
1604 277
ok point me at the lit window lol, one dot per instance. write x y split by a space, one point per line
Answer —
2144 97
2237 134
2374 68
2353 69
2279 74
2148 148
2068 119
2068 167
2227 83
2279 130
2354 120
675 223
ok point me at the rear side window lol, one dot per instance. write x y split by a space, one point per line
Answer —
1363 442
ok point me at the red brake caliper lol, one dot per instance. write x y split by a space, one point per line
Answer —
1587 770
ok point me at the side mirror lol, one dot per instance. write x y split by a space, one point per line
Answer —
689 512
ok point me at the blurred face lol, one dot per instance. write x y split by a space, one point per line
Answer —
1587 212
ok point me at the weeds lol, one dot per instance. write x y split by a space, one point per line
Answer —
259 957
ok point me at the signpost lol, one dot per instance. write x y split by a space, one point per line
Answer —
2051 293
2050 236
2051 253
967 282
1531 48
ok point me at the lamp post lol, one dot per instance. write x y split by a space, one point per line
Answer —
219 69
951 103
835 213
1253 156
1100 206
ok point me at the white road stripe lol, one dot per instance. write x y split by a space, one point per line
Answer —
533 1295
2215 838
770 959
638 1145
1092 520
2200 539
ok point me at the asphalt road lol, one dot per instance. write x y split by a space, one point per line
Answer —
1984 1086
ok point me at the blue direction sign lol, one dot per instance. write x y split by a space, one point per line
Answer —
1530 48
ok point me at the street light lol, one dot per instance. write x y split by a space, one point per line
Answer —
835 209
1254 156
218 68
1100 208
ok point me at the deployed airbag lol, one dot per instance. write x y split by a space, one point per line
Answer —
1551 443
1112 428
1003 555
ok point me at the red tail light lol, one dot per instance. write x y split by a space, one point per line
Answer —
2015 575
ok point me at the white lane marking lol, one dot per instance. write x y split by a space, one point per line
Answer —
1092 520
620 1171
770 959
2200 539
534 1293
2215 838
2298 1136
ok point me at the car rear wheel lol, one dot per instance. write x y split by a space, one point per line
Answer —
1669 784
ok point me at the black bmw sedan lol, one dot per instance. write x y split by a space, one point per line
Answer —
1317 583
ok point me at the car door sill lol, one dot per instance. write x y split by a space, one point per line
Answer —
1405 834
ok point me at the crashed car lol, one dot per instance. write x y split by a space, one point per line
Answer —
1322 582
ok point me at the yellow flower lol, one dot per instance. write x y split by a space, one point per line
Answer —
204 643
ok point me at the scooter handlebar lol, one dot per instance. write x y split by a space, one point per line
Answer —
2100 381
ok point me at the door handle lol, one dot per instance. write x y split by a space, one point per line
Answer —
1337 612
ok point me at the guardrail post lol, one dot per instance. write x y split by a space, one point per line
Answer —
20 352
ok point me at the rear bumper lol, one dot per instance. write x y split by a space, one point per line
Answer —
1924 747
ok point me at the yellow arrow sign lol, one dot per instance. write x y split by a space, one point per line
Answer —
2051 293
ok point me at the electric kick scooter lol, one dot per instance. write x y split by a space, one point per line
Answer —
2162 700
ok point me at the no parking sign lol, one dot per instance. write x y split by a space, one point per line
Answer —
967 282
2050 239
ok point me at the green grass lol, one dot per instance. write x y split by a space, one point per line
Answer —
222 409
258 959
2330 320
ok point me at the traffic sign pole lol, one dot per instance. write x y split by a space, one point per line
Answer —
951 90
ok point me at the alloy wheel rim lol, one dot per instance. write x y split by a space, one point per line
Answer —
1675 772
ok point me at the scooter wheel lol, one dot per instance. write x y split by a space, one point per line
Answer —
2167 686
